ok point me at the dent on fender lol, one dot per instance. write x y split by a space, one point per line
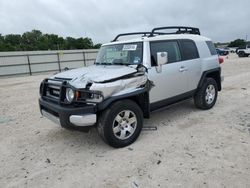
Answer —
124 85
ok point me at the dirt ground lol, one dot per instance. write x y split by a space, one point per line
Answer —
191 148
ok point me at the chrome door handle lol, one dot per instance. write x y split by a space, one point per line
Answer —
182 69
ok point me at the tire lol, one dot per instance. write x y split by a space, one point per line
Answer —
241 54
206 96
113 123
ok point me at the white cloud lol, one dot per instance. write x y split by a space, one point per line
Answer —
221 20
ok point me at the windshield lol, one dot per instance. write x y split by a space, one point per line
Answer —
120 54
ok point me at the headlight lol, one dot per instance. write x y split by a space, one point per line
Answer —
96 98
70 94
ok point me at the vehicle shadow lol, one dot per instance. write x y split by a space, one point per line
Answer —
172 113
92 139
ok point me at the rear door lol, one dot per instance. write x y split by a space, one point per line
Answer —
191 62
172 81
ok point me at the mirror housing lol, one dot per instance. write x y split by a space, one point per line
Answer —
162 58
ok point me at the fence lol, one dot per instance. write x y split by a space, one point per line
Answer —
34 62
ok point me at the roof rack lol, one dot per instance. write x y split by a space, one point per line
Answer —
135 33
180 30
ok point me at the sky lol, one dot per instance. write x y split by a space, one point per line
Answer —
102 20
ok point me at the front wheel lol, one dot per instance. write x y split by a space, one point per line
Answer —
206 96
121 123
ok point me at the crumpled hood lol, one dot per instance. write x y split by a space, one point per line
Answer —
95 73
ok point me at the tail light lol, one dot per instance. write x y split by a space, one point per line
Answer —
221 60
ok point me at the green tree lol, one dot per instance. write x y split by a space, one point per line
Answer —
13 41
237 43
31 39
70 43
36 40
97 46
83 43
1 43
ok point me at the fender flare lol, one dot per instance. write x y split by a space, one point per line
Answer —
103 105
205 73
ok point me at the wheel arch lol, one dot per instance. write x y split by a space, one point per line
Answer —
215 74
140 97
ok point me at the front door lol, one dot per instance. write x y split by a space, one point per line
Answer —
172 80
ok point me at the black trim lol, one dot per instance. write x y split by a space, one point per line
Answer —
128 34
180 49
179 30
183 58
163 103
205 73
107 102
144 34
63 112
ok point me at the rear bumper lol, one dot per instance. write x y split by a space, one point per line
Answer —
68 117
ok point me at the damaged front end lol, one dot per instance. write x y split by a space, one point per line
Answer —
74 102
92 90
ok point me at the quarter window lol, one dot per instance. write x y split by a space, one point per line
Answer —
211 48
189 50
171 47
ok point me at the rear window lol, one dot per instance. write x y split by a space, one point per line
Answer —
189 50
211 47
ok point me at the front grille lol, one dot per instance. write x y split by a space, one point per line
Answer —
53 90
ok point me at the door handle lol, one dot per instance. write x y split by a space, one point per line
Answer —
182 69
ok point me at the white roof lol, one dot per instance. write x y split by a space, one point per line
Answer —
162 37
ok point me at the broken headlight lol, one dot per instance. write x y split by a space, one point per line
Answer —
95 98
89 96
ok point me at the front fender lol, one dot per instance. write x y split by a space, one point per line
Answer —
103 105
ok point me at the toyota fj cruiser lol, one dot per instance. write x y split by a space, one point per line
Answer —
130 79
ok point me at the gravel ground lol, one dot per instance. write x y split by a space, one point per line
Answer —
191 148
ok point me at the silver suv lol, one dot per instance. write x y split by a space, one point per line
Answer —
132 78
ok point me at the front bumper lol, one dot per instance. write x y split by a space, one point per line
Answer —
68 116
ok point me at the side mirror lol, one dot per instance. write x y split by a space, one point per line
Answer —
162 58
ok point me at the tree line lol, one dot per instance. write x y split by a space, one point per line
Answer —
238 43
36 40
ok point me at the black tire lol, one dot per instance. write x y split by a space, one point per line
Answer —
241 54
107 118
200 97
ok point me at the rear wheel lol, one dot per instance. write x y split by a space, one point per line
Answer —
121 123
241 54
206 96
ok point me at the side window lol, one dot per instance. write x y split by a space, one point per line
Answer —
189 50
211 48
171 47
